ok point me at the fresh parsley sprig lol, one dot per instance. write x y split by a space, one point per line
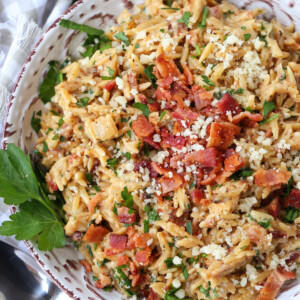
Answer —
37 216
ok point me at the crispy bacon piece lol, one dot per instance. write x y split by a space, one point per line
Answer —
171 140
142 257
274 207
184 115
51 184
153 295
95 234
170 184
166 67
159 168
110 85
165 82
76 236
246 114
201 97
145 164
124 216
118 241
142 127
256 234
293 257
274 283
162 94
271 177
122 260
277 234
207 158
175 159
293 199
93 202
154 106
234 162
227 105
221 135
103 281
86 265
188 75
135 276
141 240
149 140
196 196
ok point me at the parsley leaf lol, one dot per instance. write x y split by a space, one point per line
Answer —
248 108
143 108
247 36
127 155
112 162
35 123
205 12
162 114
45 147
153 215
291 214
242 173
185 18
268 107
288 187
207 80
83 28
35 218
189 227
146 226
275 116
83 102
127 198
150 75
122 37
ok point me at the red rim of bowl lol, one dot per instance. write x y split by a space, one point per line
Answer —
5 134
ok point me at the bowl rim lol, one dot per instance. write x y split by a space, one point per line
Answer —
5 134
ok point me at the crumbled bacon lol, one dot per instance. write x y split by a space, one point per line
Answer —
122 260
293 257
184 115
207 158
171 140
271 177
93 202
165 83
188 75
145 164
124 216
154 106
201 97
142 127
256 234
246 114
293 199
153 295
142 257
196 196
135 276
166 67
228 105
149 140
222 134
233 162
118 241
103 281
277 234
110 85
274 283
170 184
86 265
51 184
180 221
95 234
274 207
162 94
160 169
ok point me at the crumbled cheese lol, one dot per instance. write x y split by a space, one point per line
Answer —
169 275
243 282
251 272
246 204
150 242
167 41
177 260
121 100
258 44
134 92
195 251
282 144
120 83
176 283
160 156
233 39
141 35
156 138
180 294
147 59
217 251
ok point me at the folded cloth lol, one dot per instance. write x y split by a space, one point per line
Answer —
21 24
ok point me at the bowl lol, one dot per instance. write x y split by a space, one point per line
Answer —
62 265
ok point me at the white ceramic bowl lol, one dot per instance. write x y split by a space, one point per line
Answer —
62 265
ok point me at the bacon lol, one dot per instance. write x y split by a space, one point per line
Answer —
51 184
131 76
76 236
153 295
170 184
124 216
293 257
246 114
110 85
180 221
293 199
277 234
274 207
196 196
256 234
86 265
162 94
93 202
171 140
118 241
221 135
154 106
145 164
227 104
141 240
149 140
142 127
159 168
274 283
175 159
135 276
233 162
184 114
166 67
95 234
271 177
142 257
207 158
201 97
165 83
179 89
103 281
122 260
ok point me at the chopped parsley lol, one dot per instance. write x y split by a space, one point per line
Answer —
242 173
45 147
247 36
189 227
207 80
275 116
268 107
122 37
143 108
127 155
35 123
150 75
205 12
291 214
127 198
185 18
162 114
83 102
